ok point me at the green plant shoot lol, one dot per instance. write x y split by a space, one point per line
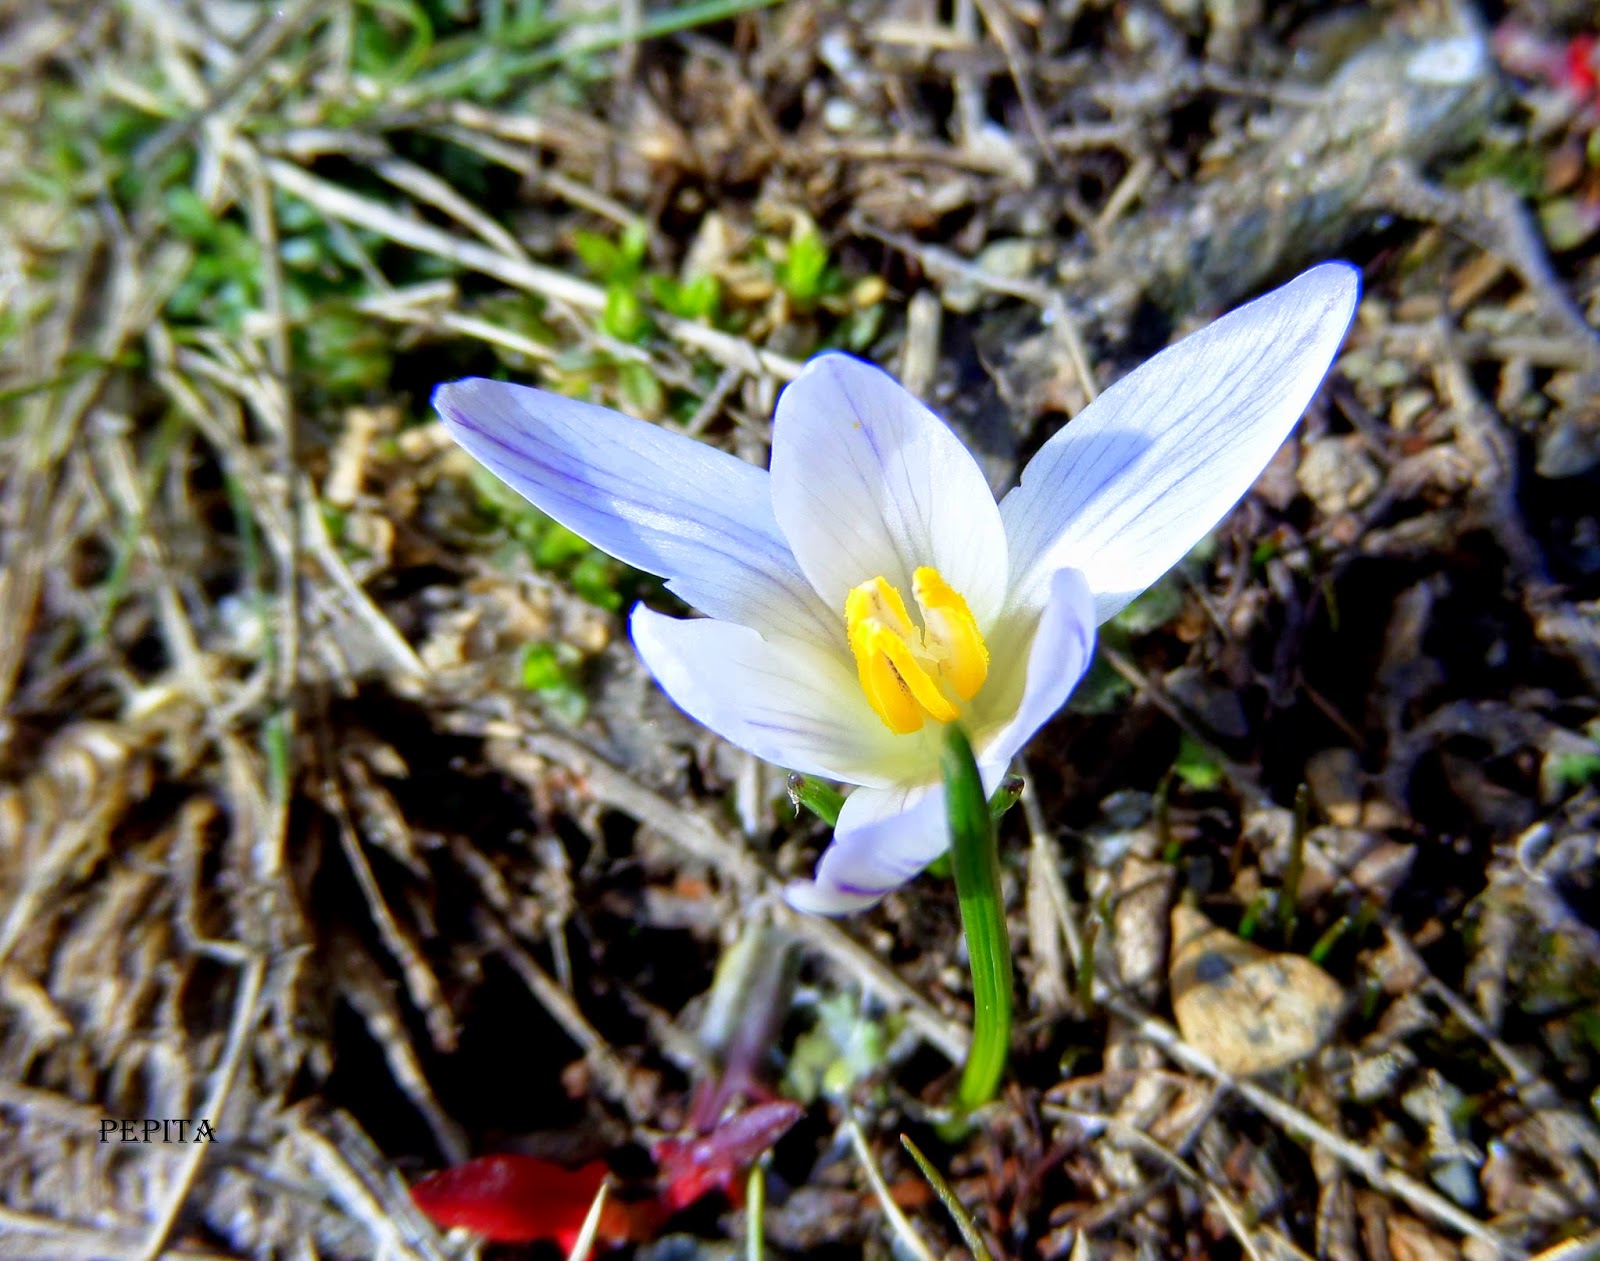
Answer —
975 862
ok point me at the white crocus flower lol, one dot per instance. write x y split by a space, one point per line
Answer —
810 655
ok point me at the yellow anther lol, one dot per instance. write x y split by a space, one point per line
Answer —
899 666
897 687
952 634
881 602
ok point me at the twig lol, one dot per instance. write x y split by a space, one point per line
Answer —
998 21
1231 1212
1537 1092
1585 1249
359 981
100 1242
1044 844
610 1072
391 1221
1241 776
904 1231
583 1245
429 189
1368 1164
286 678
340 203
696 837
273 32
240 461
245 1005
942 263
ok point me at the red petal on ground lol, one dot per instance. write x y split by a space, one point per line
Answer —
515 1199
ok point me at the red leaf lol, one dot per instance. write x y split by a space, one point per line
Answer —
515 1199
1580 71
693 1167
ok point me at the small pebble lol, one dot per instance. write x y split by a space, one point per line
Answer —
1249 1009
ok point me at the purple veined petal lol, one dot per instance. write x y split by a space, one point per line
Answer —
1059 655
884 837
662 502
867 482
1138 477
785 700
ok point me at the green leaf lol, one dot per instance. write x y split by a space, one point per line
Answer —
1197 766
1152 610
1005 796
599 255
548 669
641 388
1563 772
595 579
541 668
624 317
188 215
1102 691
822 799
858 330
635 240
702 296
843 1048
802 271
694 299
557 545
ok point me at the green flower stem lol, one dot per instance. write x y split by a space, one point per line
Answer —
975 862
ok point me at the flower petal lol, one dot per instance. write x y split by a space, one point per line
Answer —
1062 647
867 483
884 837
659 501
785 700
1140 475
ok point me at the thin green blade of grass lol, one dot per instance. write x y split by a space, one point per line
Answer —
947 1196
904 1232
755 1207
116 584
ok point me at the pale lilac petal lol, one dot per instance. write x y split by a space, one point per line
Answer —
1062 648
659 501
785 700
884 837
1146 470
867 483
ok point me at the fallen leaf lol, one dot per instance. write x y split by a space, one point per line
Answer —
694 1167
517 1199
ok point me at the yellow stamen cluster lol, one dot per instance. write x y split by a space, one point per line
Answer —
904 671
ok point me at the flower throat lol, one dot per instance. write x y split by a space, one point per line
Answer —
908 674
